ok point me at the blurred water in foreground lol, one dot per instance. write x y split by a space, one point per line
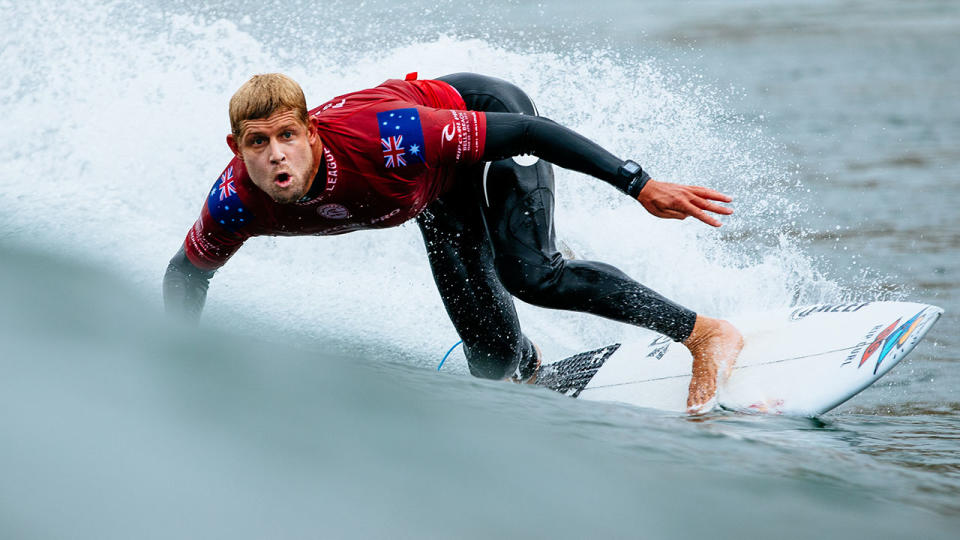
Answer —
117 425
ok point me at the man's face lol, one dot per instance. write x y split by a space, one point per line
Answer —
279 155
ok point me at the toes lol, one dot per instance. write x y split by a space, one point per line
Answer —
700 396
702 408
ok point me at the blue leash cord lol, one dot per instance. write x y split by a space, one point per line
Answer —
448 354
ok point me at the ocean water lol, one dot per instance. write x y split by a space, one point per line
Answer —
308 405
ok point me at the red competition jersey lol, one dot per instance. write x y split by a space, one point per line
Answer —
388 152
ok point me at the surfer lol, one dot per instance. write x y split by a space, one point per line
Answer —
442 152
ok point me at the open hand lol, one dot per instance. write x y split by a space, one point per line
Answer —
678 201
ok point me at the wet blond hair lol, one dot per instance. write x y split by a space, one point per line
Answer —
264 95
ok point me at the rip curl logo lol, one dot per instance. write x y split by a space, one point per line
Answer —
892 337
449 131
463 124
334 211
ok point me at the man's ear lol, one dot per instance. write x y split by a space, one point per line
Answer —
313 124
232 143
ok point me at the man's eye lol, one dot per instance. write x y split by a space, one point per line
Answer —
257 140
287 134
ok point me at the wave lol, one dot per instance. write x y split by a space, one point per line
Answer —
115 128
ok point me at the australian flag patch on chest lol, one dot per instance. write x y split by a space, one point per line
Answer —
401 137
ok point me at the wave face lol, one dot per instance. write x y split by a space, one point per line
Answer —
307 403
127 110
118 425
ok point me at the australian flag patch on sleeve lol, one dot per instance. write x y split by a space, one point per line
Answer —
401 137
224 204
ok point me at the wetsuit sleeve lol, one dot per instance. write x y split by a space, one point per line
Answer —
512 134
185 287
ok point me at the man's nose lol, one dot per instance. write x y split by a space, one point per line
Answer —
276 152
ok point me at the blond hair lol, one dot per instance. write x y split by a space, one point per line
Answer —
264 95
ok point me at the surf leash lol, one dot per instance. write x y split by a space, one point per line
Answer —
455 345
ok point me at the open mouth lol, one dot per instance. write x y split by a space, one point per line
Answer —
282 180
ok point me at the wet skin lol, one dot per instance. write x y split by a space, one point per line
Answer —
715 345
281 153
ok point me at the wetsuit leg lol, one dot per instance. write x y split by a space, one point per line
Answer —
481 309
517 207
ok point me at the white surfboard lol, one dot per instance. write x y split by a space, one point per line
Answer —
800 361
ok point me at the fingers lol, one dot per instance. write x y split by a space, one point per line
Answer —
704 217
708 193
700 200
675 201
711 207
695 212
682 211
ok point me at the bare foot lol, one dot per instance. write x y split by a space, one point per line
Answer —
714 343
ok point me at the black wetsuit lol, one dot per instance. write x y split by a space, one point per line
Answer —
492 238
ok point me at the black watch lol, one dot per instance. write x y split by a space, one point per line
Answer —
634 178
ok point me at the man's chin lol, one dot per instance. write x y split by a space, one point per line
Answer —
286 196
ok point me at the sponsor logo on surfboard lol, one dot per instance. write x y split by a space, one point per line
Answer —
659 347
858 348
804 311
892 338
769 406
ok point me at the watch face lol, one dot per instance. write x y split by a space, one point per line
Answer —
631 167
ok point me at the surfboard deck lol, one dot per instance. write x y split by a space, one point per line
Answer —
800 361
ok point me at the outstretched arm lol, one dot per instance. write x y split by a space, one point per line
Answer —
510 134
185 287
